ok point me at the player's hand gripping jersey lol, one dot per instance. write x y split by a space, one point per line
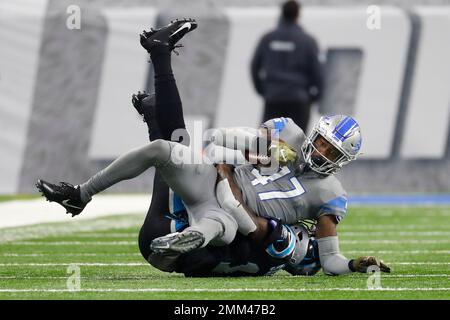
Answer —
294 192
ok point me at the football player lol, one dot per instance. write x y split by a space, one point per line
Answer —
208 222
242 257
302 189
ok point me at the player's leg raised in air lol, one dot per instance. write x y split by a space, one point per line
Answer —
208 222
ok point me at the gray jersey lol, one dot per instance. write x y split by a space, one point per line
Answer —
291 194
288 131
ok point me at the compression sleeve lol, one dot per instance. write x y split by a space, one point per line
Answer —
229 203
238 138
333 263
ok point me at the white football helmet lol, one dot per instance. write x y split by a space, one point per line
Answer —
343 133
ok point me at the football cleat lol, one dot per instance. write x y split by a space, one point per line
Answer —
143 102
168 35
65 194
180 242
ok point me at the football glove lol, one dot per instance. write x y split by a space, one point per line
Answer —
362 263
282 152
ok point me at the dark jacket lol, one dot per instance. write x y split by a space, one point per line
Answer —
285 66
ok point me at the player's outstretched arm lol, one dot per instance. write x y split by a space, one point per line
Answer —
334 263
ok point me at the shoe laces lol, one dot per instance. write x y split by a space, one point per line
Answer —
66 189
179 45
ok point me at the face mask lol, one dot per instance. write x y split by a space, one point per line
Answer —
318 160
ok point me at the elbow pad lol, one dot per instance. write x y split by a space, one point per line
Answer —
333 263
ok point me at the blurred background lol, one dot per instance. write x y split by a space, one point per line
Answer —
68 69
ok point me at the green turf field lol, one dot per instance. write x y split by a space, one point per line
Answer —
34 262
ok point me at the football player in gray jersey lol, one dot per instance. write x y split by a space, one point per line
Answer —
292 193
209 222
303 188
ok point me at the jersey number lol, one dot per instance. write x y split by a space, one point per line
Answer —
295 191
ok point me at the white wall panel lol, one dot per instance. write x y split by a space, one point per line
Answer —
21 26
124 72
384 60
427 118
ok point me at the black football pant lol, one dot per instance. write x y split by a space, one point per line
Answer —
167 117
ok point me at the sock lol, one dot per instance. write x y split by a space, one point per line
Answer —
168 109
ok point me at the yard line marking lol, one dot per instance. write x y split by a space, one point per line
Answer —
136 264
70 254
87 264
416 275
106 235
128 243
222 290
412 241
419 263
392 227
397 251
83 254
347 233
70 243
397 233
384 276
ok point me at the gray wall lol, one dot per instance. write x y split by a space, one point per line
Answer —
69 77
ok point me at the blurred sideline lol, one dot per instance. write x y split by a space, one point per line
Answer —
17 213
26 212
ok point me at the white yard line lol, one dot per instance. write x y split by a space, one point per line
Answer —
84 254
424 263
396 227
223 290
344 233
37 211
383 276
398 251
136 264
86 264
127 243
73 243
412 241
109 235
395 233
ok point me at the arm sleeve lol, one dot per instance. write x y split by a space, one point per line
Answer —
238 138
333 263
229 203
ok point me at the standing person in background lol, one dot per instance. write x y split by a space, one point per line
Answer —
286 71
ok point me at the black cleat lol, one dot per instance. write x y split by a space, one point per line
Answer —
65 194
143 103
168 35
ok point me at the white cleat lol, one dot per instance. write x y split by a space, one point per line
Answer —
181 242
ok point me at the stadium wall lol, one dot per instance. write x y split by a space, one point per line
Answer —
65 93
